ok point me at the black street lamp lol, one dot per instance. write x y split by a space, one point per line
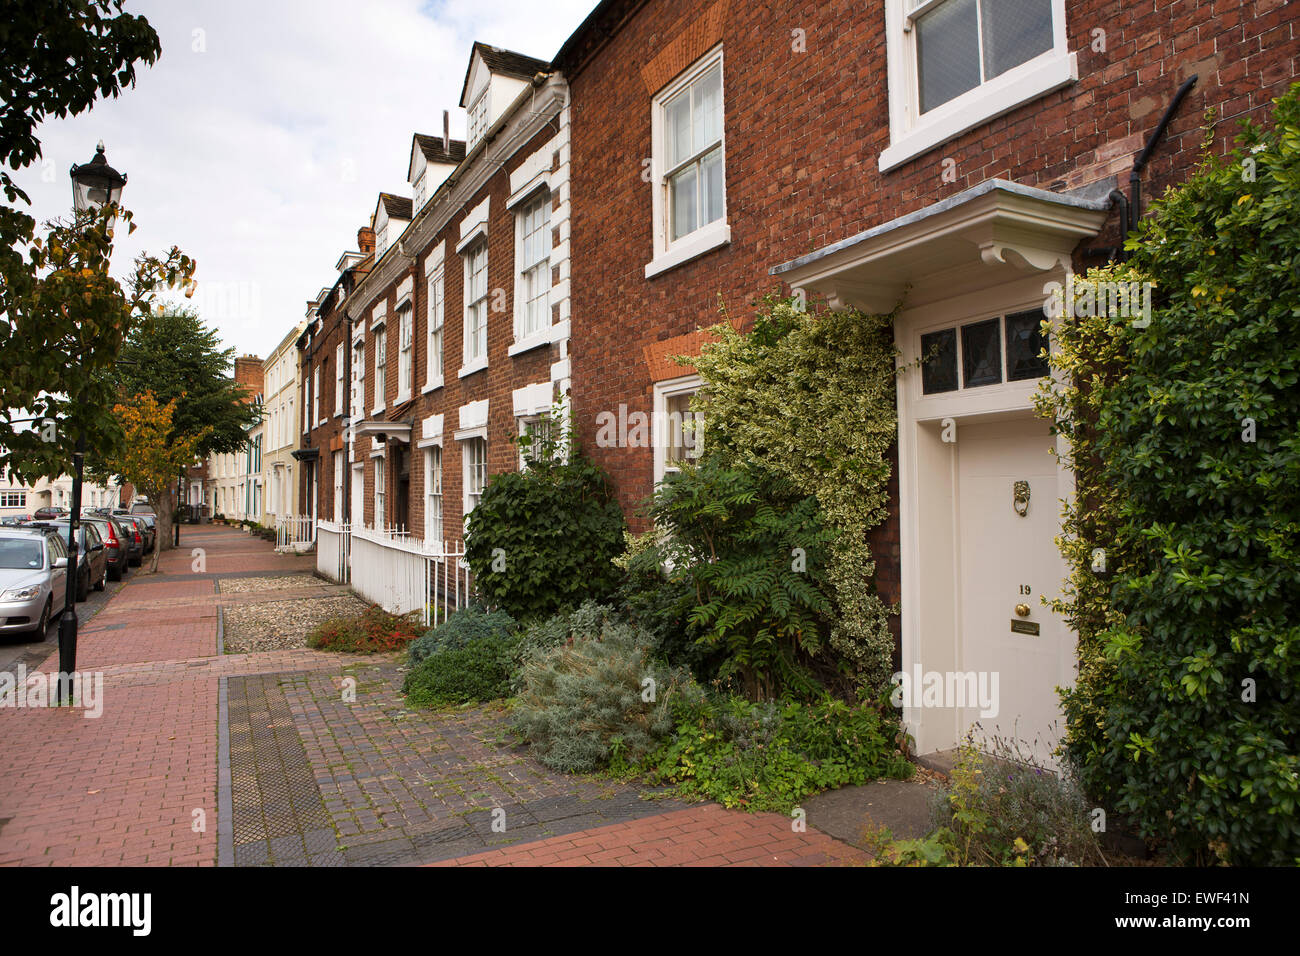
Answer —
94 184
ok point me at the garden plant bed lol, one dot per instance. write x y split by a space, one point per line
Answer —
276 625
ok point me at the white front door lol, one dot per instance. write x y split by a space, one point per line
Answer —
1008 563
358 494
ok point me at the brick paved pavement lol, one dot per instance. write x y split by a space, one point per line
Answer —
703 835
281 769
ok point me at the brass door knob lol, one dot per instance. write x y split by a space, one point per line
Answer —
1022 610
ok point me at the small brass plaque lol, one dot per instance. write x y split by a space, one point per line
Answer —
1024 627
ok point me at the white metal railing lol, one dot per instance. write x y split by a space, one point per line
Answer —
294 532
404 574
333 550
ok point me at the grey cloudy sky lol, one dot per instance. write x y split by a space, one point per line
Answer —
260 140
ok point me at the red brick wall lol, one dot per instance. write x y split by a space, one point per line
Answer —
803 135
495 383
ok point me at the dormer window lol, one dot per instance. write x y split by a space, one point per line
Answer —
478 118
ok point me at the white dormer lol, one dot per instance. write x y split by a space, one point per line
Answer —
392 215
433 159
494 78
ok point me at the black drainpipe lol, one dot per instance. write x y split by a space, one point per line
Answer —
1134 210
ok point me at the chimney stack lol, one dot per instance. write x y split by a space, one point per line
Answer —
366 240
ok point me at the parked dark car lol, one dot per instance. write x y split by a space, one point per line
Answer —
116 549
92 554
49 514
147 535
10 520
151 522
134 538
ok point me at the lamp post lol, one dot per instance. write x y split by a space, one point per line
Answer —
94 184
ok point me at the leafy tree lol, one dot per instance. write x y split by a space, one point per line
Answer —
62 317
60 56
151 453
62 321
176 357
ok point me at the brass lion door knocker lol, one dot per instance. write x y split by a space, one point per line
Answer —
1020 499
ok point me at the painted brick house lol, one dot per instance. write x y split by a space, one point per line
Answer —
968 150
459 331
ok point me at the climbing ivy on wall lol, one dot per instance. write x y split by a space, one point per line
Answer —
810 398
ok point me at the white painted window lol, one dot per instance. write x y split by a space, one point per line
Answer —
405 352
478 118
379 491
306 406
381 366
954 64
338 381
474 457
689 162
434 325
433 493
338 486
539 429
13 499
533 252
315 396
476 304
358 380
678 432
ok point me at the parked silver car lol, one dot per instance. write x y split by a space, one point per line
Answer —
33 578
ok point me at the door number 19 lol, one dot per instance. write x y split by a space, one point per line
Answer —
1026 589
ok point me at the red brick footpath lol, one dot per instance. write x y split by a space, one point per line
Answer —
138 784
706 835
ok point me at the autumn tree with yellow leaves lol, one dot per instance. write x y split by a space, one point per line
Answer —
151 455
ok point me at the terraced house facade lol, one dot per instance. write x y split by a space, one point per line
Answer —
954 156
457 333
947 158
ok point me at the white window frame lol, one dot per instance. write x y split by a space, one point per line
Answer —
912 134
405 352
381 369
379 492
473 359
532 278
478 118
358 404
433 493
338 381
435 320
686 385
472 468
315 398
669 253
524 423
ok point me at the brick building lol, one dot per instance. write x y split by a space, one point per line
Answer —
323 371
459 331
857 151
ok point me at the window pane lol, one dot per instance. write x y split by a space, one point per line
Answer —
1015 31
1025 340
947 51
707 114
981 353
711 172
939 373
681 197
678 114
